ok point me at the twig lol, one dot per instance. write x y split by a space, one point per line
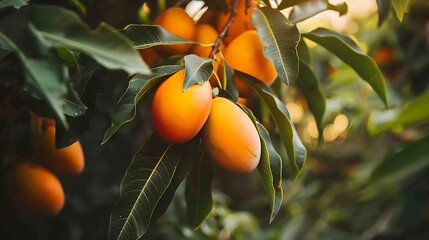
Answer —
225 29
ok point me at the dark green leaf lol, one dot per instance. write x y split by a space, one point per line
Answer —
400 7
383 10
143 185
309 84
62 27
270 166
73 105
280 38
138 87
13 3
79 6
303 51
349 52
198 70
406 163
413 111
198 195
45 76
145 36
69 58
227 79
293 145
182 171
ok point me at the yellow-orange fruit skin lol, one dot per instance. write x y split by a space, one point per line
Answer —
150 56
231 138
246 54
205 34
69 160
178 22
242 21
35 190
178 115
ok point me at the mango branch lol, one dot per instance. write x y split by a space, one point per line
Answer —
225 29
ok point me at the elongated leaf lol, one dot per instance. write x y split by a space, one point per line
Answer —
198 195
182 171
413 111
143 185
271 166
62 27
145 36
198 70
45 76
293 145
383 10
309 84
138 87
280 38
227 77
400 7
348 51
406 163
13 3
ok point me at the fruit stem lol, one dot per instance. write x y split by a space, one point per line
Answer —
225 29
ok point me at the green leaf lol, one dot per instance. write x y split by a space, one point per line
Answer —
138 87
198 70
182 171
73 105
293 145
62 27
303 51
13 3
308 9
413 111
350 53
309 84
198 193
383 10
270 167
280 38
45 76
145 36
143 185
227 79
412 159
400 7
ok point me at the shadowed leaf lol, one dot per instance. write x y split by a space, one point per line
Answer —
145 181
198 193
413 158
62 27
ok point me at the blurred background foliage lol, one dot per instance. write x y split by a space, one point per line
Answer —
366 176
